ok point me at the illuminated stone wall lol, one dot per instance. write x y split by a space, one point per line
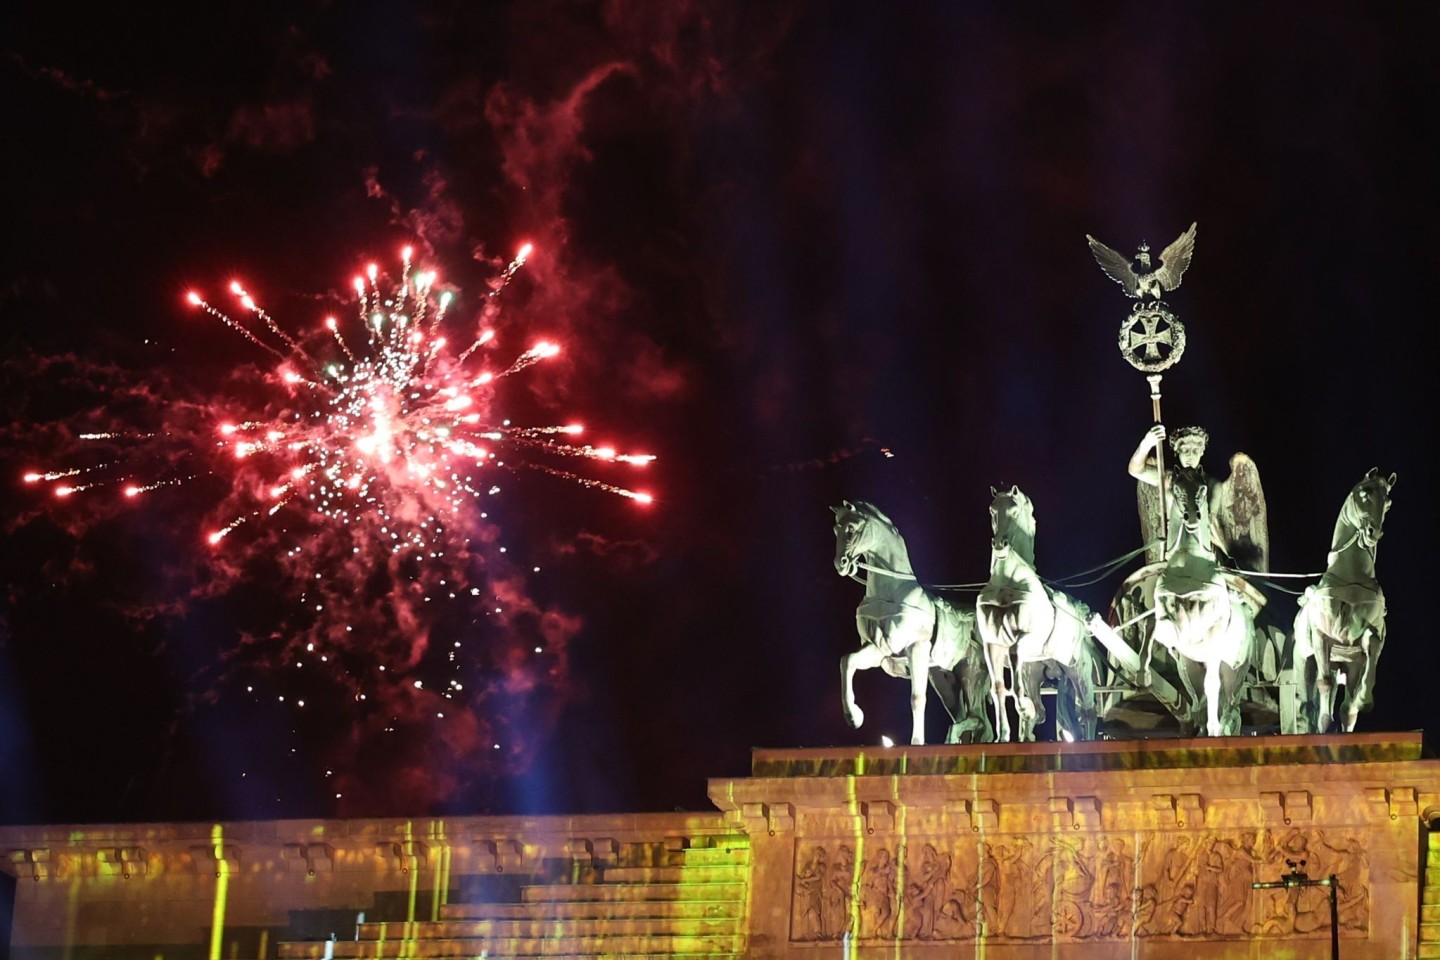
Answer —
1096 848
177 891
1013 852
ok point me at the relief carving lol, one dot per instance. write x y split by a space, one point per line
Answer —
933 903
877 896
1177 885
1023 907
1200 887
807 906
838 893
824 892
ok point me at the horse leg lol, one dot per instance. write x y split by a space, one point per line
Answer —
1163 632
1027 697
1360 691
997 656
1192 701
946 685
1232 684
1077 688
1319 672
1309 706
1213 726
1326 686
975 723
1147 650
866 658
919 681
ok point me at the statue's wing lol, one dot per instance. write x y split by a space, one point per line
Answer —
1176 258
1239 519
1147 498
1116 265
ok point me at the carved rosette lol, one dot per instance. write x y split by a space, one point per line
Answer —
1083 887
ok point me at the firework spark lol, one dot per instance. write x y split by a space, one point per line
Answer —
368 594
396 429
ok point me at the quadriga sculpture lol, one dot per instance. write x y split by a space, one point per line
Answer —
1032 630
905 630
1340 628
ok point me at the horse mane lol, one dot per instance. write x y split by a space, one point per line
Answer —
874 513
1344 529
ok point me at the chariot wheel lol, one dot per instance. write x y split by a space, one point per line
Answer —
1069 918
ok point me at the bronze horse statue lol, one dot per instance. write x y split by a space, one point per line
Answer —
906 630
1031 631
1340 627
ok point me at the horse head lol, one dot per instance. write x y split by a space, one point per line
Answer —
860 529
1192 534
1012 525
1365 508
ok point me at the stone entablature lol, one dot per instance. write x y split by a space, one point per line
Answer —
1098 849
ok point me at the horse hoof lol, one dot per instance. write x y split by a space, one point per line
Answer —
855 719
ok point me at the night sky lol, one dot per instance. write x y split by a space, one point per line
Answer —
799 251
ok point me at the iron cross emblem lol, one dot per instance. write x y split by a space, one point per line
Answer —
1151 337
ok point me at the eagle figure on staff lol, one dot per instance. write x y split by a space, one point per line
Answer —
1141 280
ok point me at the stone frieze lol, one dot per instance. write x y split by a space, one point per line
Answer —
1180 885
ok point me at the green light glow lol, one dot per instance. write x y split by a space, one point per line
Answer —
222 891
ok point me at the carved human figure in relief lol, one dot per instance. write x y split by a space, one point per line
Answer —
1173 868
1236 893
838 893
1110 896
987 891
927 893
1279 919
1204 914
1347 861
810 894
877 895
1019 902
1073 879
1147 905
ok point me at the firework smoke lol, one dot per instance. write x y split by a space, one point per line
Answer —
364 479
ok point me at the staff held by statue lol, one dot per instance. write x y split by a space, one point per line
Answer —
1152 338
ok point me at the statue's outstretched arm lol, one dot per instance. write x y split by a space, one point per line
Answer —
1142 466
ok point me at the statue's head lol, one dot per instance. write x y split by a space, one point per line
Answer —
1189 445
1142 256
